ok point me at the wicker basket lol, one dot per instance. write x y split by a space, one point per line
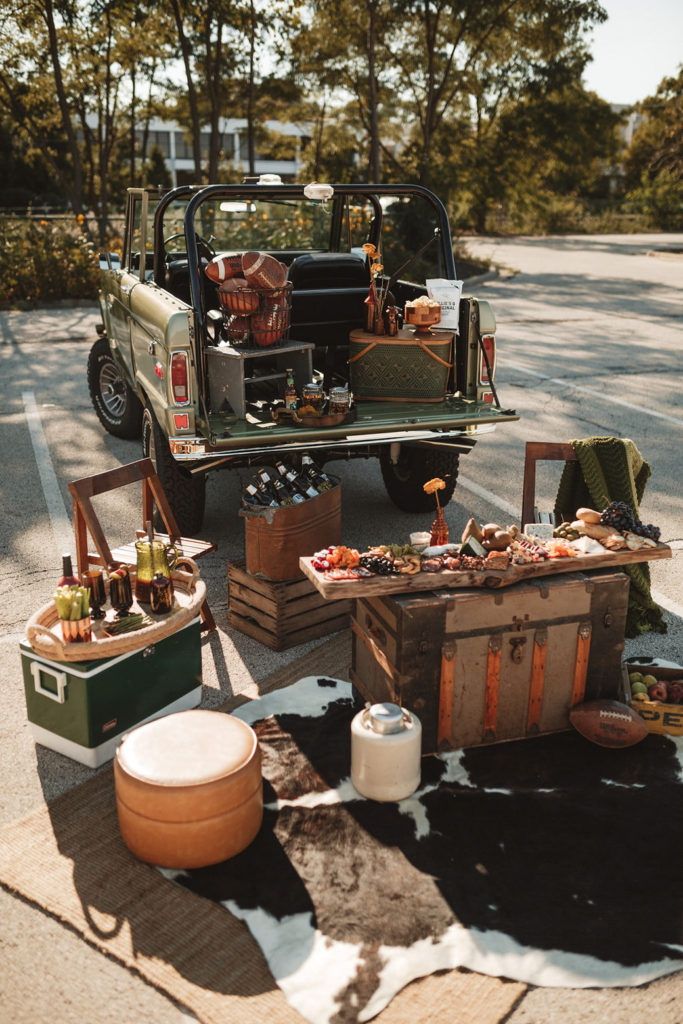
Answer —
407 367
43 629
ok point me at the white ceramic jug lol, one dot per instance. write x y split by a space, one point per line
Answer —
386 743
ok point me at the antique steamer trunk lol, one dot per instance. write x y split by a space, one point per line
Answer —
479 666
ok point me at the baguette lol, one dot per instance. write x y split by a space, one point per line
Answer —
588 515
595 530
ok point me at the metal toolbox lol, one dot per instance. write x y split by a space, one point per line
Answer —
480 666
82 708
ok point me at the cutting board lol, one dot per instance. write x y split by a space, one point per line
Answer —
489 578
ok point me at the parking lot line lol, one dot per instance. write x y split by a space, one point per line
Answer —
60 521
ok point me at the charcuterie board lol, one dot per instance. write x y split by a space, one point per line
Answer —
488 578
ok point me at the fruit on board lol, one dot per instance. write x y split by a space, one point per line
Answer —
658 691
638 687
608 723
635 677
649 680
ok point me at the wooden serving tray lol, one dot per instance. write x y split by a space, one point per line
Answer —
44 633
489 578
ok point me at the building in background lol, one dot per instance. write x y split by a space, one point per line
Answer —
278 148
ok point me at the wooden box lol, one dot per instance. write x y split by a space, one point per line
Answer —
480 666
275 538
281 614
660 717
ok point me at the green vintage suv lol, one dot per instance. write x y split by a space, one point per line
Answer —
169 366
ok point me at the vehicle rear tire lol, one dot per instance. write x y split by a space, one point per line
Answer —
404 479
118 408
186 493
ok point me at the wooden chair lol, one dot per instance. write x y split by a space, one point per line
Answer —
86 521
541 451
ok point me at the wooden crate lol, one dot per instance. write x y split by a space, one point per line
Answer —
281 614
480 666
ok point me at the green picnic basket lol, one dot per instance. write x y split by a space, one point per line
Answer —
405 367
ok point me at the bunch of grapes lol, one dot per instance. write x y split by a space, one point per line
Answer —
647 530
621 517
378 564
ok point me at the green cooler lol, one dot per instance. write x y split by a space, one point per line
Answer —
83 708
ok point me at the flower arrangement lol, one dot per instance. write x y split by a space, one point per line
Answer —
378 289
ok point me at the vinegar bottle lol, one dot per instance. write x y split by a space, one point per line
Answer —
68 579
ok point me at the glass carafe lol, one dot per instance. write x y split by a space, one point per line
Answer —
154 557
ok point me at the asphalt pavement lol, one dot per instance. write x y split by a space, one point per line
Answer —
589 342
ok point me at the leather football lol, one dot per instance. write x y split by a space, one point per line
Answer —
223 267
609 723
263 271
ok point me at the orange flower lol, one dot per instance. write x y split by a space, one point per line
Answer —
434 485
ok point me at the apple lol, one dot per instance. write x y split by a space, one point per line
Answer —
658 691
675 690
649 681
638 688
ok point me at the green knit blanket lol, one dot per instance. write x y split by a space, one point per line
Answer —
612 469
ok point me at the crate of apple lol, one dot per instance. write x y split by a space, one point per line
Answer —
649 687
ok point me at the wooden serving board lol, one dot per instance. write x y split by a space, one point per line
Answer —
489 578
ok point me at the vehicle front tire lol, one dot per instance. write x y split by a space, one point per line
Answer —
118 408
186 493
404 479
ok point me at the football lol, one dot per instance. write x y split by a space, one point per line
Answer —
263 271
609 723
223 267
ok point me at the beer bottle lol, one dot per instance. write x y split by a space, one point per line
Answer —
301 485
291 397
320 480
284 495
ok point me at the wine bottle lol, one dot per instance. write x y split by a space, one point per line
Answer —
68 579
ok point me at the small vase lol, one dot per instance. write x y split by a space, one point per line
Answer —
439 528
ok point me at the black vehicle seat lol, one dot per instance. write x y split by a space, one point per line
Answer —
329 290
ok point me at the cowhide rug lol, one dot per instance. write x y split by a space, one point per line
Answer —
549 861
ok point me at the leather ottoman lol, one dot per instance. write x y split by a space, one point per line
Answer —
189 790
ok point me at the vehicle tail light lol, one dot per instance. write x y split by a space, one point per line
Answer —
489 345
181 421
487 397
179 375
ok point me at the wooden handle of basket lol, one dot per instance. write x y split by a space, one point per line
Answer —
34 629
189 577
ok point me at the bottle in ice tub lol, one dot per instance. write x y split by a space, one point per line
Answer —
386 745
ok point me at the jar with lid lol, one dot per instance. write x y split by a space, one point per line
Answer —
338 401
312 396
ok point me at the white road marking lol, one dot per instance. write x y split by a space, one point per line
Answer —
60 522
515 513
601 394
490 497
